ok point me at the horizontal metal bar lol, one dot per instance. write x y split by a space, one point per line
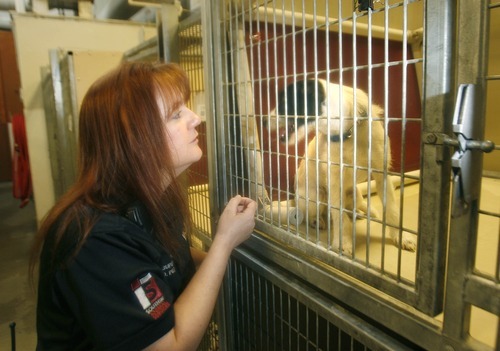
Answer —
483 293
293 18
488 213
494 77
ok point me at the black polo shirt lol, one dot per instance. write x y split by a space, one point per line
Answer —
116 294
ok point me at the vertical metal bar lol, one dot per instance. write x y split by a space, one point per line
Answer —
12 327
497 348
437 104
341 128
266 79
317 109
403 137
317 326
383 196
244 95
237 103
355 133
296 325
275 88
278 318
211 43
370 134
497 269
281 317
355 149
168 33
471 68
278 78
289 320
231 99
253 311
267 315
255 160
339 339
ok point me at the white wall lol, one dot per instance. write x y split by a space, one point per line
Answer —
34 37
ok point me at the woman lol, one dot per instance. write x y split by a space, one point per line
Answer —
115 271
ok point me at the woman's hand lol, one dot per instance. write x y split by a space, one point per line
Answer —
198 299
237 221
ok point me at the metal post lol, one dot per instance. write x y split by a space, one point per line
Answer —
472 34
168 23
437 107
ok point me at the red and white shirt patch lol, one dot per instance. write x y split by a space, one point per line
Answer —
150 296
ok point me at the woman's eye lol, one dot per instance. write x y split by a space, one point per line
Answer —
177 115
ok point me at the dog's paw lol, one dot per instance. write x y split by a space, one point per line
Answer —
363 209
347 249
408 242
373 213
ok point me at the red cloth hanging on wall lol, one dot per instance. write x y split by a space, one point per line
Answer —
21 175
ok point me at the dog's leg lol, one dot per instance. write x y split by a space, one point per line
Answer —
345 232
347 221
308 196
342 229
362 205
408 241
360 201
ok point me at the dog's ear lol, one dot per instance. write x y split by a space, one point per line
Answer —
363 105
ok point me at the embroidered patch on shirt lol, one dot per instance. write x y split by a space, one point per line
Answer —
150 296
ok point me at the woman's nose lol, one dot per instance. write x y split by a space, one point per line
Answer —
195 119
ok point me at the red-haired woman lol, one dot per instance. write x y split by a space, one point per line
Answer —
115 269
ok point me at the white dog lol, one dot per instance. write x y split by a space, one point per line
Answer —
312 104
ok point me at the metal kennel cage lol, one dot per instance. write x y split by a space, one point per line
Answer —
426 63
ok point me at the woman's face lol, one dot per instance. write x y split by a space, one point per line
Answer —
183 138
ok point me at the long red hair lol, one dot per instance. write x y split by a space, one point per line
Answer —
124 155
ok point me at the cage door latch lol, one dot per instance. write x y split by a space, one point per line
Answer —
465 163
465 128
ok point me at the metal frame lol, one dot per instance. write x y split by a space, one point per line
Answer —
465 287
62 118
400 289
313 276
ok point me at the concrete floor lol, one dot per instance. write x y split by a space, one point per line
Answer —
17 298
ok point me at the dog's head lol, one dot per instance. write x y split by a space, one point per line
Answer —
297 107
309 103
